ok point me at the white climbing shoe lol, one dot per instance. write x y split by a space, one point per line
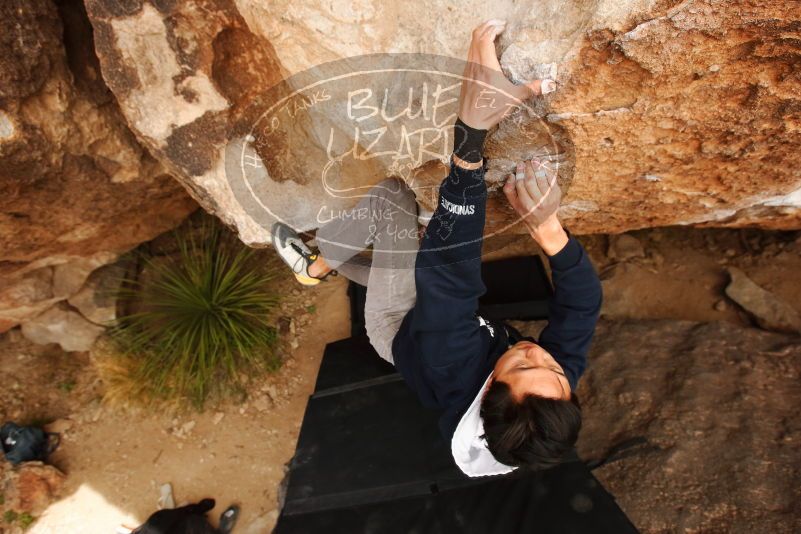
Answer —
291 248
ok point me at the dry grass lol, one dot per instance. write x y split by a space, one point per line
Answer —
121 387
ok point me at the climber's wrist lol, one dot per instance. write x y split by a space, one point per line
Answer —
468 143
550 235
459 162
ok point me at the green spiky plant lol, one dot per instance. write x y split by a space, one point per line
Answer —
199 319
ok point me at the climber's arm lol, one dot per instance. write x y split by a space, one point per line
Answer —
574 308
448 270
443 323
448 273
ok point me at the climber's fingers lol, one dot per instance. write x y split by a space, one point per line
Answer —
531 183
527 198
492 28
482 52
510 191
483 44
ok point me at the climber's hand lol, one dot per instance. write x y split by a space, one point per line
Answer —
534 194
487 95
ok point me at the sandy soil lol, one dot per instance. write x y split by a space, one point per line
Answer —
236 452
116 461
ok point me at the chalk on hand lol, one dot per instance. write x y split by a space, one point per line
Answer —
547 86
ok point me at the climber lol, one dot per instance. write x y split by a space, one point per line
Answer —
507 401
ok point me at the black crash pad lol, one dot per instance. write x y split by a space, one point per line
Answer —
371 459
563 500
517 288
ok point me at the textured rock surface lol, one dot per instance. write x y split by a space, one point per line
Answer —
96 300
770 312
76 188
62 325
29 487
34 287
624 247
667 113
717 405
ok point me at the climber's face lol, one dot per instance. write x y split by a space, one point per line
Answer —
529 369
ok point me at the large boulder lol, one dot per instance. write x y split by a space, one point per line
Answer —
77 188
667 113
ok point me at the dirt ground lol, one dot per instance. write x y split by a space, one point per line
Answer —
717 406
115 461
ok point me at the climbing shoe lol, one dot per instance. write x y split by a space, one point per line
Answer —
291 248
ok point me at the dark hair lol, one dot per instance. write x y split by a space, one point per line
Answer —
535 432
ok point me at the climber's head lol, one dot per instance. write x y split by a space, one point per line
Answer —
531 418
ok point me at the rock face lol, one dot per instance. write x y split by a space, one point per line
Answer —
64 326
77 188
667 112
30 487
770 312
624 247
716 405
97 300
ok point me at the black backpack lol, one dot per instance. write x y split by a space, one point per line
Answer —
26 443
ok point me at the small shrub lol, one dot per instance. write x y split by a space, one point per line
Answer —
10 516
199 319
25 520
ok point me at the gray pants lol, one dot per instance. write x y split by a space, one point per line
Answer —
385 218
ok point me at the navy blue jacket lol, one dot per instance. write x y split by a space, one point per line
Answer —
443 350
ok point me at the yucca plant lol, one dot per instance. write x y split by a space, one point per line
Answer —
200 319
